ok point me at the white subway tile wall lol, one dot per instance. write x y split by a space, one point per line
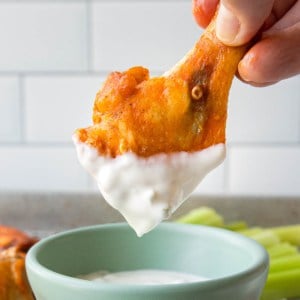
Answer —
150 33
54 55
43 36
10 110
34 167
55 105
264 115
265 170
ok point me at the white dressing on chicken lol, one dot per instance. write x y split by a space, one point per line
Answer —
148 190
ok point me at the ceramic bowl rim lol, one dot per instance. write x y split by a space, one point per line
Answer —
259 264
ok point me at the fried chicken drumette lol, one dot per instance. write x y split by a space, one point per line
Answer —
183 110
13 280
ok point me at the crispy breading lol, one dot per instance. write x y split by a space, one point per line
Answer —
12 237
13 280
183 110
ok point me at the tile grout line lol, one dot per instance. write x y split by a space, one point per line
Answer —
139 1
22 109
90 72
80 1
226 173
53 73
44 1
299 122
259 144
89 35
37 144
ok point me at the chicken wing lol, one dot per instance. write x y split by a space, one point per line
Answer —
183 110
154 139
13 280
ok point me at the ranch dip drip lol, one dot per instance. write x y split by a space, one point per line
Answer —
148 190
142 277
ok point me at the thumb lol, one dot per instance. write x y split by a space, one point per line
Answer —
239 20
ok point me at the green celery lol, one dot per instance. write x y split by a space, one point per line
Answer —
280 242
250 231
267 238
284 284
202 216
285 263
290 233
281 250
236 226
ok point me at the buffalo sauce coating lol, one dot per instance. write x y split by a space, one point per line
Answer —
11 237
133 113
183 110
13 247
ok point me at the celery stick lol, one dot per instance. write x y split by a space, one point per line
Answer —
267 238
250 231
236 226
202 216
281 250
285 263
216 221
285 284
290 233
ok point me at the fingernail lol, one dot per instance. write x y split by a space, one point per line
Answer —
227 25
245 66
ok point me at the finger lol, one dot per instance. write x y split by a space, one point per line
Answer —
274 58
278 11
239 20
291 17
254 83
204 10
281 7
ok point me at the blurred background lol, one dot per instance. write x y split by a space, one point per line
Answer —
54 56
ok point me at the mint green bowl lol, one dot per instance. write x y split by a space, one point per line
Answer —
237 266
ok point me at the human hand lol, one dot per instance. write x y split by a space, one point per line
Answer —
276 55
